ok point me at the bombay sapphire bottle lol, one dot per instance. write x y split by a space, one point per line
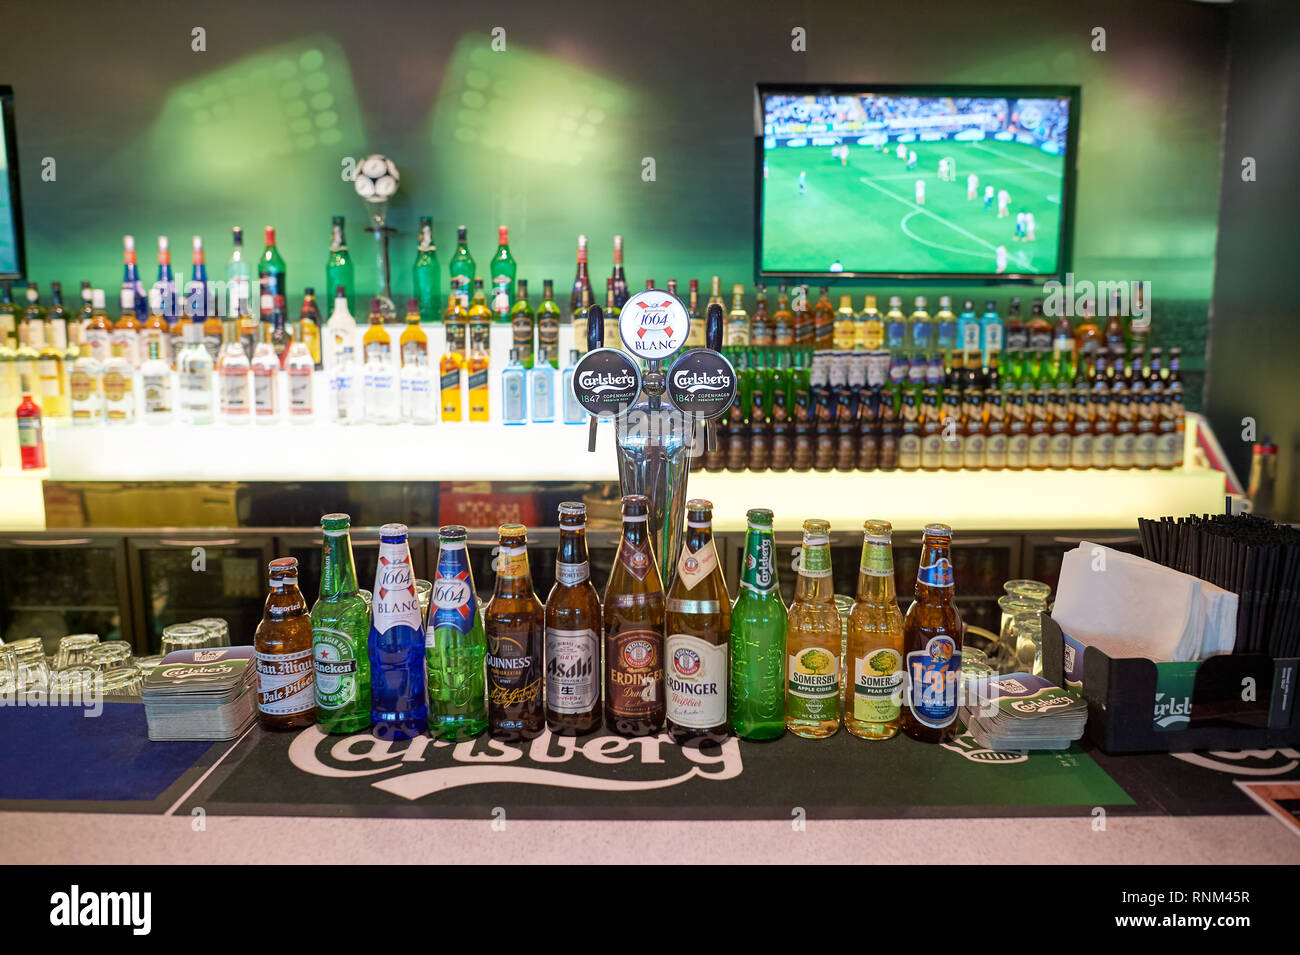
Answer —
541 388
399 704
573 413
514 405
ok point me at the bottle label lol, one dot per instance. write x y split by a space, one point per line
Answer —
1103 446
450 381
454 603
1058 450
635 667
1039 447
813 684
116 385
512 562
995 451
694 566
300 391
157 393
635 560
877 558
335 662
572 669
909 451
264 392
570 575
394 602
285 683
1017 451
514 672
937 574
29 432
80 385
522 337
234 393
1081 451
377 352
478 380
932 677
875 688
414 353
815 558
696 681
759 572
973 455
1125 455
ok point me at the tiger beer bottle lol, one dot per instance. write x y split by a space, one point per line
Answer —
286 685
813 641
514 622
698 628
573 628
932 644
634 629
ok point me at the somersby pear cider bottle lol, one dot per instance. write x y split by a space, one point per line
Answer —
634 629
812 641
875 645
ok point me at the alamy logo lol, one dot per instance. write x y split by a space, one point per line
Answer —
74 907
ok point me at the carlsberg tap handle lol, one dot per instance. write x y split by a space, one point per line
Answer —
595 328
713 327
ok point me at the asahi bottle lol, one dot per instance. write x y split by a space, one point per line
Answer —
340 633
514 622
286 697
875 641
456 647
758 622
699 628
932 644
573 632
813 641
634 630
399 704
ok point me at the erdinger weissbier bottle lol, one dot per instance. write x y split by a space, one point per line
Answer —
699 628
932 644
399 705
456 647
634 629
573 632
514 622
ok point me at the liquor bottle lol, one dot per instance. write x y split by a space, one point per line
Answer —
737 320
968 332
131 279
758 628
581 286
1114 337
383 399
502 269
199 305
945 327
212 334
514 622
99 329
338 266
126 330
698 625
399 704
450 386
573 411
461 270
271 276
236 399
426 274
932 644
300 371
541 391
248 327
476 384
573 632
612 338
783 334
548 325
954 439
32 324
340 633
875 641
456 325
340 333
695 336
8 315
991 330
239 276
155 329
823 321
761 332
281 335
479 321
523 330
1088 343
896 328
83 314
634 630
266 384
156 383
31 435
165 285
812 641
86 389
1138 331
455 653
620 280
119 388
194 377
50 377
514 391
920 330
282 649
845 325
309 326
869 329
890 428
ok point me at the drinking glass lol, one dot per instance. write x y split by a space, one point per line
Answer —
74 650
183 636
218 631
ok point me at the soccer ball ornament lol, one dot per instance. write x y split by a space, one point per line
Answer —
376 178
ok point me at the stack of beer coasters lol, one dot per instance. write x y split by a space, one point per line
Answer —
1021 711
201 694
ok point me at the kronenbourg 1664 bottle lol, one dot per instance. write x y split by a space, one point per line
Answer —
456 648
399 706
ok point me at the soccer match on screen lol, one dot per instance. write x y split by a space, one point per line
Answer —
942 185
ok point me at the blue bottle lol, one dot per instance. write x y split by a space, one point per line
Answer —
895 325
399 702
573 413
990 331
945 326
541 389
969 334
514 401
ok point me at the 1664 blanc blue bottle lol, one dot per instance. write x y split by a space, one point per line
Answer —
399 704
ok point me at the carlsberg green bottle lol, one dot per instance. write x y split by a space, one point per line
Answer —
340 631
758 622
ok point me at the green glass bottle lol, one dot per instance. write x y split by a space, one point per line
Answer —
462 269
758 623
338 269
340 634
456 646
270 276
502 269
427 275
548 325
523 325
8 316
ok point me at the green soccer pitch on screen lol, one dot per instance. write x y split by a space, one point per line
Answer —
915 182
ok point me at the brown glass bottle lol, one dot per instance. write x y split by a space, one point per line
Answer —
846 430
514 623
696 656
869 430
573 632
824 433
889 430
995 441
802 456
803 316
782 320
759 435
634 630
286 681
760 325
912 433
782 448
736 433
954 441
974 440
1081 430
932 644
1017 415
1040 436
823 321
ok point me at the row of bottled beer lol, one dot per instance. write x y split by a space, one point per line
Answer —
689 660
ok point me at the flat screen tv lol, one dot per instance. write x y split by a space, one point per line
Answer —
915 182
12 262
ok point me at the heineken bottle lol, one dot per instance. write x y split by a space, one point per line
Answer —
456 646
340 629
758 621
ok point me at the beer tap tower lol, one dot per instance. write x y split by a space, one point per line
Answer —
659 414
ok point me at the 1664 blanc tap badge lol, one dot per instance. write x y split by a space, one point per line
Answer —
653 324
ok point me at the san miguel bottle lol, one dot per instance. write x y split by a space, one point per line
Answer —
340 635
399 705
634 630
573 632
932 644
699 630
813 641
456 647
514 622
758 624
875 642
286 696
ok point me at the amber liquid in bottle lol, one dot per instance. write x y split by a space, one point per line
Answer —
573 632
932 644
634 630
514 623
286 682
